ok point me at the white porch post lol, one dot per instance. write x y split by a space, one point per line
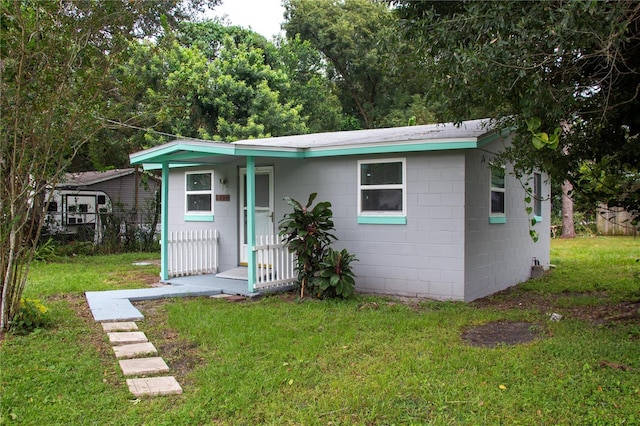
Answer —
251 223
164 223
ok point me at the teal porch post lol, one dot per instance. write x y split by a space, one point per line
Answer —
251 222
164 223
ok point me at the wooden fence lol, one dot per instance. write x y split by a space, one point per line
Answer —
275 264
615 221
192 252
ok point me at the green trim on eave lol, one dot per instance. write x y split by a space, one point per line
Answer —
382 220
389 149
174 151
198 218
154 166
489 138
497 219
244 152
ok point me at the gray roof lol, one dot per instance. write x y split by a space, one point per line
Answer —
465 135
471 130
92 177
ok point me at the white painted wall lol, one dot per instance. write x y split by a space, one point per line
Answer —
440 252
498 256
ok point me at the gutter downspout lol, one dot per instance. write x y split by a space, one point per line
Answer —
251 223
164 223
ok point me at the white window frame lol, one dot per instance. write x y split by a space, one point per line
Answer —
209 192
537 195
496 189
402 186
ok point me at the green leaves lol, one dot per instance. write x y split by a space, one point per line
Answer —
542 139
335 278
324 271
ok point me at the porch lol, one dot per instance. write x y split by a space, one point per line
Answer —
226 285
192 259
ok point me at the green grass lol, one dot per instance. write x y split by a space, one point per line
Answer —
587 265
76 275
366 361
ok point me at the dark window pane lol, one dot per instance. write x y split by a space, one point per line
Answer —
199 182
497 202
199 203
537 194
381 173
53 207
382 200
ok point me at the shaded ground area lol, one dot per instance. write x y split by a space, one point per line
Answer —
578 306
590 307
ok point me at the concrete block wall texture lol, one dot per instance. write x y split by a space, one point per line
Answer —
411 259
446 250
498 256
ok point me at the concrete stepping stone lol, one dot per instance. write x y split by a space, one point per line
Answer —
126 337
140 366
220 296
134 350
119 326
154 386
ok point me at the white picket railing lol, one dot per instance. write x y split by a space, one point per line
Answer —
275 265
192 252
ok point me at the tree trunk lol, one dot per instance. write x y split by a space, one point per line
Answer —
568 230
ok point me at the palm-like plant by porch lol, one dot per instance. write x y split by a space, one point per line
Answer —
306 231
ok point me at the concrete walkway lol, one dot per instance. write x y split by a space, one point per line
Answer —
138 358
115 305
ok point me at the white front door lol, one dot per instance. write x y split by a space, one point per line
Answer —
264 216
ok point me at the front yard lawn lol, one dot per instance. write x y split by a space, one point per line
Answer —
370 360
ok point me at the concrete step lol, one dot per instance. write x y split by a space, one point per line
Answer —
154 386
119 326
142 366
134 350
126 337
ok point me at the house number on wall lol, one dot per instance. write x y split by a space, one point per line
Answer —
223 197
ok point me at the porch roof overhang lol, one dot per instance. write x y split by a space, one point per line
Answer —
434 137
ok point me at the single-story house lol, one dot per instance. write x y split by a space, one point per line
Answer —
80 197
423 208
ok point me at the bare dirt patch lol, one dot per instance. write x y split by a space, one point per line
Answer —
501 333
602 313
180 354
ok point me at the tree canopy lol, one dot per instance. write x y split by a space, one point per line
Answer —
358 40
565 74
56 57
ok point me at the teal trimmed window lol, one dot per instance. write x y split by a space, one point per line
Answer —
498 196
537 196
382 191
199 196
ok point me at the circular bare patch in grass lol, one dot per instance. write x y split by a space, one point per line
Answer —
501 333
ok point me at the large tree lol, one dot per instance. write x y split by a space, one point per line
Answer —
358 39
212 81
55 56
565 74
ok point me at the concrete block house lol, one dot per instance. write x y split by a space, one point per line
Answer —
421 207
